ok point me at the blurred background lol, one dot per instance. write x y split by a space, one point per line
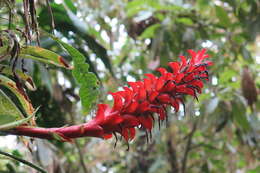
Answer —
124 39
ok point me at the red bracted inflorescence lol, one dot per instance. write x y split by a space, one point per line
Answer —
143 100
137 105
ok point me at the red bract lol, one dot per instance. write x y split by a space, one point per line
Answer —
138 105
143 101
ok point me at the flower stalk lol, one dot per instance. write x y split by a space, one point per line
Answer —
137 105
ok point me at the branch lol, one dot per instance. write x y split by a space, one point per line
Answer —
23 161
173 156
188 147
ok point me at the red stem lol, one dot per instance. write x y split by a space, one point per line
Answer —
89 129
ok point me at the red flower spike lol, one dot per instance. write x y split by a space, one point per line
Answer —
138 104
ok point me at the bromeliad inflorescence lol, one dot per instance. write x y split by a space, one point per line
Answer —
138 105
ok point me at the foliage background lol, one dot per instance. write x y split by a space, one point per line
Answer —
122 40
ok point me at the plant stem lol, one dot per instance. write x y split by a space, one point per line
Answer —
188 147
63 133
23 161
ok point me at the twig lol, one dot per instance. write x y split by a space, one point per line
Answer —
23 161
81 157
172 156
188 147
51 14
203 145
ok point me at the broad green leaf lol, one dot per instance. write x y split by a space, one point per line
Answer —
19 93
89 85
8 110
4 69
44 55
222 16
17 123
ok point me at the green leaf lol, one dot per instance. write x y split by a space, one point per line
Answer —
71 6
14 124
7 70
222 16
150 31
8 110
89 84
44 55
184 20
19 93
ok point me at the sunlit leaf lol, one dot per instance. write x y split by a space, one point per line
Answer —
44 55
8 110
19 122
89 85
7 70
19 92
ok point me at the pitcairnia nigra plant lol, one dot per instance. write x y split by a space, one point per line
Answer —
139 105
136 106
